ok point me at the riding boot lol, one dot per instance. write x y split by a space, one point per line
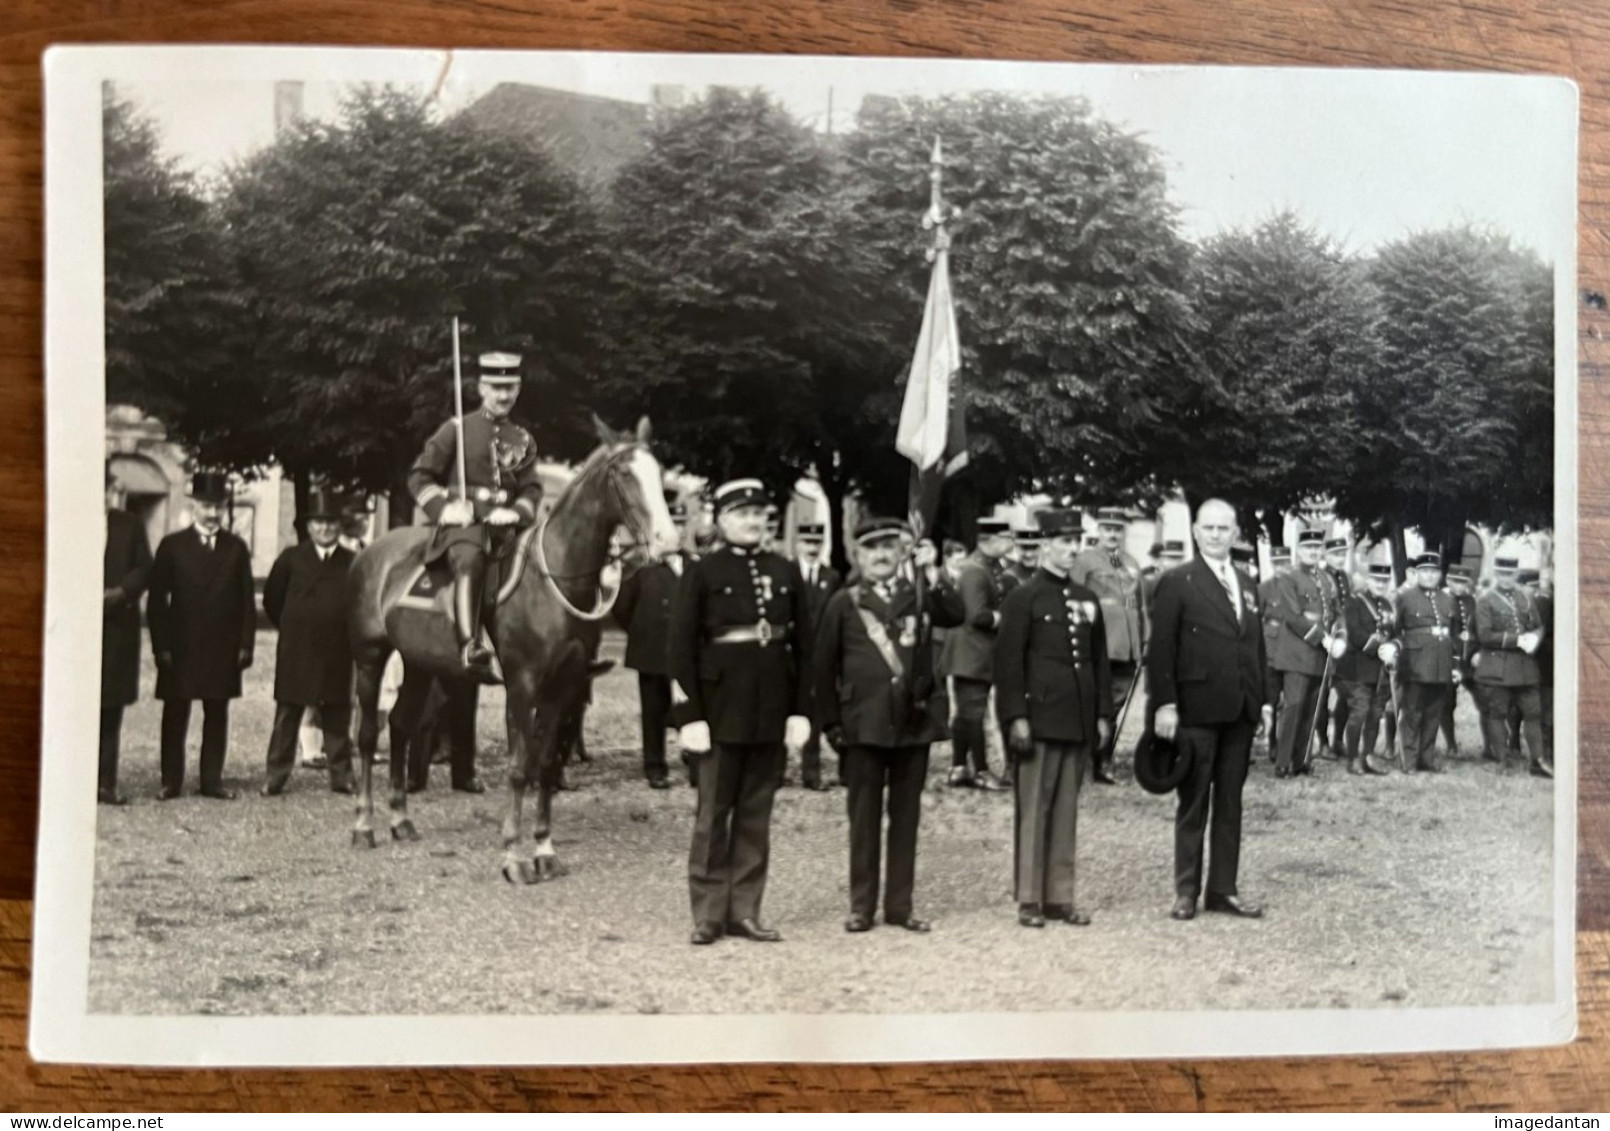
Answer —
476 657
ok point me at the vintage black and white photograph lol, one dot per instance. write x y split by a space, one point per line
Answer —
652 558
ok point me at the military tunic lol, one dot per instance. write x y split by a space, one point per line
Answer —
1361 676
1306 608
1509 677
1337 718
969 658
1051 669
500 462
738 650
1426 619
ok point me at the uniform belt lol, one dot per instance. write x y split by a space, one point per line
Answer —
1438 631
761 632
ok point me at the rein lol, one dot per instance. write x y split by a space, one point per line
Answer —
606 603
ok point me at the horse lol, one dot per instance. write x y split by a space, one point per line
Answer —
544 633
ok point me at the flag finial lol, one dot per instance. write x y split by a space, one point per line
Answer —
939 214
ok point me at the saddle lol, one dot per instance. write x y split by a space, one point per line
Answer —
430 587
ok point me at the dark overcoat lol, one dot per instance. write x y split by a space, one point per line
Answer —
1501 619
1371 622
1306 606
202 609
744 689
1427 619
643 609
857 690
306 600
1206 657
127 569
1051 660
970 647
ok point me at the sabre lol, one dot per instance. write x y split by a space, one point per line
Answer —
1313 727
458 415
1129 697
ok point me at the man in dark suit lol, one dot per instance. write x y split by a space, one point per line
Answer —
818 581
873 675
644 611
203 619
305 597
738 652
969 652
126 569
1205 670
1309 635
1509 632
1054 697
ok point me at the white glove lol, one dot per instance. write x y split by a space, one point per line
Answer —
459 512
695 738
1388 653
926 555
1529 641
1337 647
503 516
796 732
678 696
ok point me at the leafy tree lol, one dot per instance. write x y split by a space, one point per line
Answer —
1287 331
1456 421
174 310
361 238
1069 273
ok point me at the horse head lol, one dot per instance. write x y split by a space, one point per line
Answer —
636 495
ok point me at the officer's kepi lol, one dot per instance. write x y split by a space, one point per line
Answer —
740 493
500 368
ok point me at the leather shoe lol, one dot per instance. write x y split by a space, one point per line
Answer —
272 789
960 777
705 933
110 797
472 785
986 780
1371 768
1066 913
858 923
1184 908
167 794
911 923
220 794
659 781
814 783
1231 905
752 930
1030 915
1103 777
1541 769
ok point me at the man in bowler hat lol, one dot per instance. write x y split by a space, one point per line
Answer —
1205 669
126 569
1054 698
202 614
305 597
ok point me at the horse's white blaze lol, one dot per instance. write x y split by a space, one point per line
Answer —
650 481
545 847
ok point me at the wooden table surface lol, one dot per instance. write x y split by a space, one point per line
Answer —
1557 38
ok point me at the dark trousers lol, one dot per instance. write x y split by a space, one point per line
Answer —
1423 704
1047 820
1366 703
335 720
1333 718
1124 684
654 697
1299 695
1502 702
871 772
1545 695
1210 806
732 830
214 742
967 738
111 732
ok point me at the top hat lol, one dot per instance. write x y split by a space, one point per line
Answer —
870 531
1160 764
500 368
210 487
325 503
740 493
1059 522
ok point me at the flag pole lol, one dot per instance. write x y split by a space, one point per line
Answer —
458 415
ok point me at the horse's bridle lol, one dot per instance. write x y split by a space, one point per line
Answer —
616 555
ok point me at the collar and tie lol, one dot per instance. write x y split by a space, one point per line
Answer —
206 539
1225 572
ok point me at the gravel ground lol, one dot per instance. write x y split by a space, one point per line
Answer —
1414 891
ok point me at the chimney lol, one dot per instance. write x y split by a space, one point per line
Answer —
287 106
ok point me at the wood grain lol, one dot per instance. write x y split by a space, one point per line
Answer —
1568 39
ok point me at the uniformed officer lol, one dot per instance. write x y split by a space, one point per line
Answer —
1027 539
1428 667
305 598
1364 671
1167 555
873 674
1114 576
202 613
819 581
1509 634
1054 698
739 655
1333 720
1543 594
1460 582
1310 631
1279 563
503 493
643 609
969 652
1244 556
